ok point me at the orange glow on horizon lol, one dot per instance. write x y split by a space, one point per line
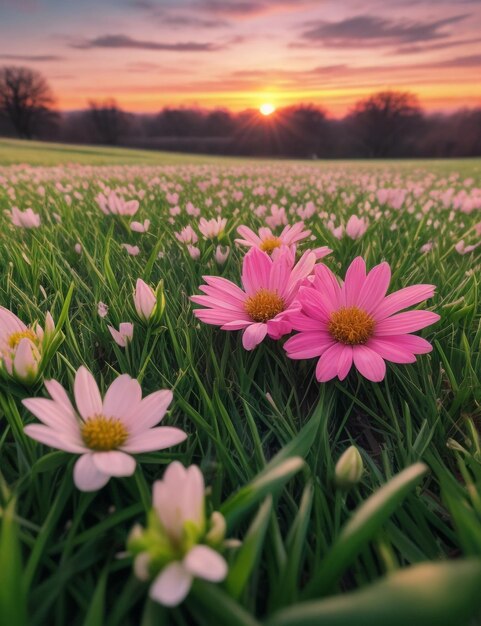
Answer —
267 109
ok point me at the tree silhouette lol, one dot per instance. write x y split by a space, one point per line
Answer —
385 123
25 99
108 121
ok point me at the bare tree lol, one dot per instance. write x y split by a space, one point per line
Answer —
385 123
108 121
25 99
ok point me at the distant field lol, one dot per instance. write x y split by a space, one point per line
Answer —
14 151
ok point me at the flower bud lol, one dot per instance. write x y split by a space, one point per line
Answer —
218 527
144 300
349 468
25 362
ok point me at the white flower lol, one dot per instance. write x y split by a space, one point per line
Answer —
105 433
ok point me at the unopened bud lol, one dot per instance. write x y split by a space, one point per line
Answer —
349 468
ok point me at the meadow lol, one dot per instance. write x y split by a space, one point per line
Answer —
339 490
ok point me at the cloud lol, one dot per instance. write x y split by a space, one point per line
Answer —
176 19
30 57
369 30
124 41
442 45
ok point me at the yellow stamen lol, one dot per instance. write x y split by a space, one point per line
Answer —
268 245
351 325
15 338
264 305
103 433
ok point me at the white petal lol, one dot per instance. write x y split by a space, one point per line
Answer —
154 439
53 415
122 398
114 463
171 586
204 562
86 476
87 394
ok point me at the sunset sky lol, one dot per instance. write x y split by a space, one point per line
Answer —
241 53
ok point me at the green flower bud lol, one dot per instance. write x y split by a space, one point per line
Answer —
349 468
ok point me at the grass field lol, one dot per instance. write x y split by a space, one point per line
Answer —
391 534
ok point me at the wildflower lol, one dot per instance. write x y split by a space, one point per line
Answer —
104 432
138 227
116 205
24 219
462 248
221 254
78 248
180 543
123 335
357 323
194 252
260 308
187 235
132 250
356 227
102 309
148 303
22 347
267 241
212 228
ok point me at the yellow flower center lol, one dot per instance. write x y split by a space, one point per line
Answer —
264 305
268 245
15 338
103 433
351 325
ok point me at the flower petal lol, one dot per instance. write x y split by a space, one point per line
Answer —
86 476
369 363
114 463
308 345
151 411
172 585
122 398
254 334
87 394
407 322
204 562
54 439
154 439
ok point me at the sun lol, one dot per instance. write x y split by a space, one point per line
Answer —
267 108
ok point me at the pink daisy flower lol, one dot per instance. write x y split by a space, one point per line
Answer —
356 323
267 241
104 432
269 290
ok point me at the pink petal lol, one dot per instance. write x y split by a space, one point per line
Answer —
369 363
374 288
224 286
172 585
354 281
53 415
344 363
154 439
87 394
122 398
253 335
407 322
256 269
204 562
301 321
150 411
403 298
314 304
413 343
54 439
217 303
114 463
390 351
59 395
218 317
249 235
86 476
307 345
236 325
327 284
328 365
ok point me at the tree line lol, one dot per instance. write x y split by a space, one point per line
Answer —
388 124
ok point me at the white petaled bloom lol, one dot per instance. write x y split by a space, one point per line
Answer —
123 335
22 347
104 432
212 228
116 205
24 219
179 543
145 301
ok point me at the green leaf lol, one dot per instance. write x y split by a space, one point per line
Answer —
265 483
437 594
210 600
96 610
249 553
362 527
13 603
